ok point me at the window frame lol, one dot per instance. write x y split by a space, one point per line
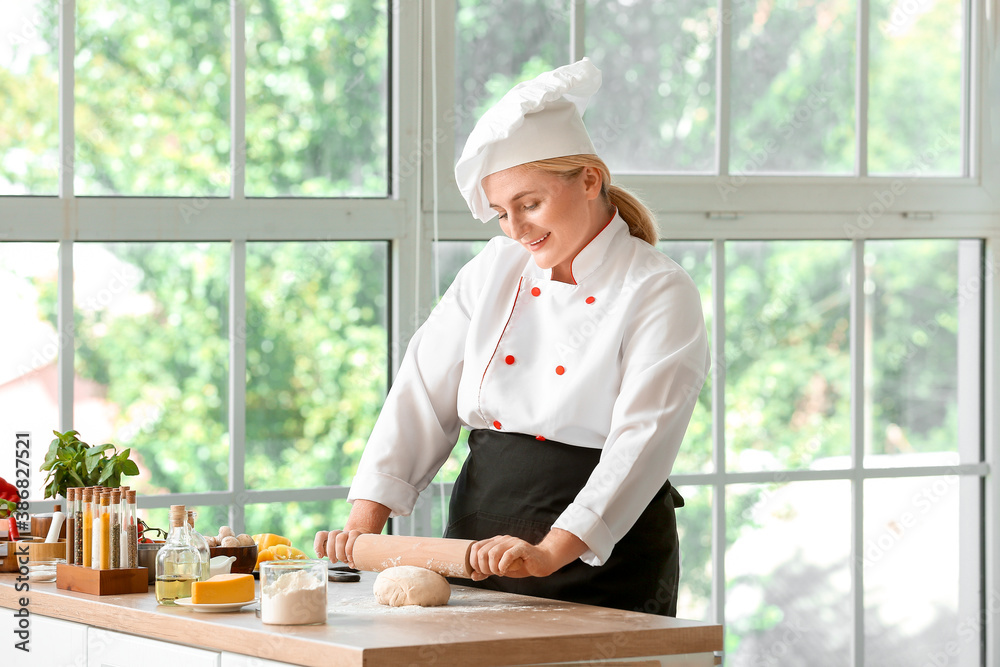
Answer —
425 206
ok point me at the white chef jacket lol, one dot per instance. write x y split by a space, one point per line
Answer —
614 362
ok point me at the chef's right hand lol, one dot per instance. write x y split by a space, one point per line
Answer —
337 544
367 516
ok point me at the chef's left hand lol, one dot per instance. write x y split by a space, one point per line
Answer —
508 556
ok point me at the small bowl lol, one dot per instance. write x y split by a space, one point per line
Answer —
147 559
41 571
246 557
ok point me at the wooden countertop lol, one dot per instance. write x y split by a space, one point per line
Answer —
476 627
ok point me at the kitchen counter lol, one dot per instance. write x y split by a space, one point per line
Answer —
476 627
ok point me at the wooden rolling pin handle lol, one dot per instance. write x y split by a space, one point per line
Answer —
374 553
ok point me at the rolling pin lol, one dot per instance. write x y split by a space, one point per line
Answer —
449 557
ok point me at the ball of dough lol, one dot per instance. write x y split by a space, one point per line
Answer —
212 540
244 539
406 585
226 531
229 541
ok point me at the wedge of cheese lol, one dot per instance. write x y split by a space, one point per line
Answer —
223 589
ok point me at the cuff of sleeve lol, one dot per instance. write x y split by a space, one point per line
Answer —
589 527
394 493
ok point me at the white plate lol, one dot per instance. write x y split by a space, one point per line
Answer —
229 606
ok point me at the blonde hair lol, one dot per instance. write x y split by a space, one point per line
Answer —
636 215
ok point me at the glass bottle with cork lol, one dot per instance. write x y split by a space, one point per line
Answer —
178 562
200 543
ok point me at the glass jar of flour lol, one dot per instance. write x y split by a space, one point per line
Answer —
293 592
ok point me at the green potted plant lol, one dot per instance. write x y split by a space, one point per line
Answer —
72 462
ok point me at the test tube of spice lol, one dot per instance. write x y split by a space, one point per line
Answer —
122 514
115 529
121 511
130 535
88 527
124 499
78 528
70 523
95 538
105 531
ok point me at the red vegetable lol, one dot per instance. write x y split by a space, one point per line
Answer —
12 529
8 491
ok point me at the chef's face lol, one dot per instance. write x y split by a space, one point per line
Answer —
551 216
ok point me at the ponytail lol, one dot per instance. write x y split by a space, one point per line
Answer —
636 215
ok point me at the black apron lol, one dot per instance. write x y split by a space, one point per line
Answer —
514 484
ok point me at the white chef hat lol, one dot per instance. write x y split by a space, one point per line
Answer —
536 120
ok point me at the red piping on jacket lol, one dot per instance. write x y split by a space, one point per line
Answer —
504 330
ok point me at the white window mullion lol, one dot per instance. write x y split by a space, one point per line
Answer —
411 291
971 69
723 69
577 30
435 156
237 99
969 380
67 140
411 258
991 366
719 431
67 81
826 474
970 301
970 564
861 94
237 271
237 383
64 322
858 444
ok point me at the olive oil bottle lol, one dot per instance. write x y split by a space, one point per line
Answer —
178 562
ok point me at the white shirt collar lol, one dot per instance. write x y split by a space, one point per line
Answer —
592 254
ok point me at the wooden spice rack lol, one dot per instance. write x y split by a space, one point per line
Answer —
102 582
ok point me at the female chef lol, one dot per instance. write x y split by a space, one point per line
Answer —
574 353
